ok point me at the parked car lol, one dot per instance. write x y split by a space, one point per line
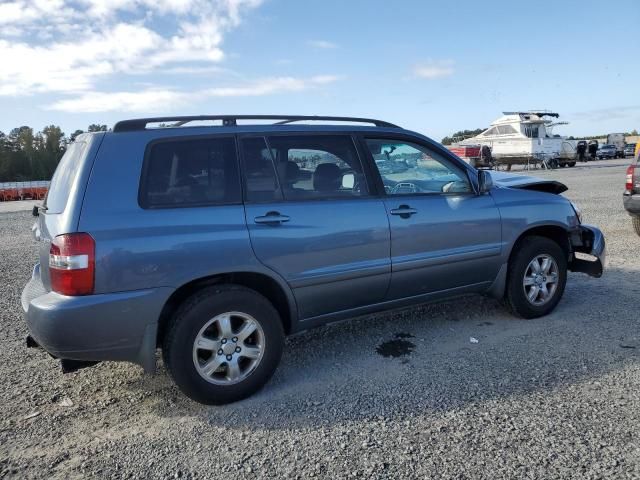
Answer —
212 243
617 140
629 149
607 151
631 195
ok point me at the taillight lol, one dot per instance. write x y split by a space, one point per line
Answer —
72 264
628 186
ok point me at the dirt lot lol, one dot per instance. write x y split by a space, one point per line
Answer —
556 397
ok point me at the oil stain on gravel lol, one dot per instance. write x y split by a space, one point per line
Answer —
398 347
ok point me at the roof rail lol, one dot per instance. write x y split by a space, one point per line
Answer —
232 120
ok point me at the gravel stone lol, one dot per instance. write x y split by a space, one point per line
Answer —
556 397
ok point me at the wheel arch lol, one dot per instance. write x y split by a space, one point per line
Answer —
557 233
272 289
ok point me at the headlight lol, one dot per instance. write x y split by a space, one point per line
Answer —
578 211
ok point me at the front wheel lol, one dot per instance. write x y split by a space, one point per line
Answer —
223 344
537 277
636 224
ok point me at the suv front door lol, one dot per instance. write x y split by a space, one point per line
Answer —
444 237
312 220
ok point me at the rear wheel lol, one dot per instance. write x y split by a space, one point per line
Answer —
223 344
571 164
636 224
537 277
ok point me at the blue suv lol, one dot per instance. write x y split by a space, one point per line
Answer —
213 237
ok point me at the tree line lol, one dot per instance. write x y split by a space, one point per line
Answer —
461 135
27 155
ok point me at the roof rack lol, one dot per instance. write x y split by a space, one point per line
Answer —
232 120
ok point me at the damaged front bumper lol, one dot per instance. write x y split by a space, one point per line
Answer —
589 240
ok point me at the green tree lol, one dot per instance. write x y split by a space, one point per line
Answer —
25 155
72 137
53 149
95 127
461 135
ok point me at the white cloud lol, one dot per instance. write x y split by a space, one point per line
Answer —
323 44
80 52
70 45
609 113
432 70
162 100
149 100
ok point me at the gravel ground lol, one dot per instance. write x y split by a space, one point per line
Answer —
557 397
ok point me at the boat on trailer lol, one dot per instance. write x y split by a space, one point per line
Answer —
522 138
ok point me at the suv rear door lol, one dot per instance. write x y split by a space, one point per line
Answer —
311 219
444 236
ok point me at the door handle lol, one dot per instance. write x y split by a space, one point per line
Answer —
272 218
404 211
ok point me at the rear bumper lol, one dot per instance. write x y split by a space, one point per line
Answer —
631 203
589 240
115 326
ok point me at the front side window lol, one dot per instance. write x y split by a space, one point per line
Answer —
190 172
409 168
317 166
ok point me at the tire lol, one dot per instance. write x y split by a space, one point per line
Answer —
243 307
635 220
571 164
526 251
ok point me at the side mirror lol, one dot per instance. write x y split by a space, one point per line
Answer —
348 181
485 182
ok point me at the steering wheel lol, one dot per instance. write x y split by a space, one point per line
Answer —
407 186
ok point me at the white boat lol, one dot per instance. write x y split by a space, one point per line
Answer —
526 138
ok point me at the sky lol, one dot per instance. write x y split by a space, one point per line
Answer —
433 67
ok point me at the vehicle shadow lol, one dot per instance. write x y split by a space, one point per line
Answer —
449 355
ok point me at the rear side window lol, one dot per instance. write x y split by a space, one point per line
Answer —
64 176
192 172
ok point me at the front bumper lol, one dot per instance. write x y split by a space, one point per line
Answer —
112 326
631 203
589 240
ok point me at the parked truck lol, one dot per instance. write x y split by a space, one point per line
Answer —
617 139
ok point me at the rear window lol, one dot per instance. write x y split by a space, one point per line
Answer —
194 172
64 176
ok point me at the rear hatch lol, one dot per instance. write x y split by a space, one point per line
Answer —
61 209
